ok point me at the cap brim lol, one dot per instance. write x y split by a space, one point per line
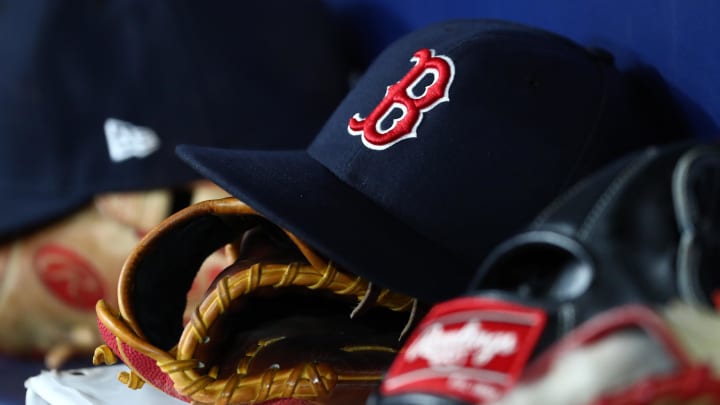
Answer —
297 193
27 214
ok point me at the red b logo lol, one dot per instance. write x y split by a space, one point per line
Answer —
402 97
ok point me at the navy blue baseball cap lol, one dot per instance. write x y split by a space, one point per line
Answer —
454 138
95 95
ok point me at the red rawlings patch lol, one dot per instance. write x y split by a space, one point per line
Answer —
408 97
470 348
69 277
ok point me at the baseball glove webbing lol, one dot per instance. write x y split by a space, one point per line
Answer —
280 322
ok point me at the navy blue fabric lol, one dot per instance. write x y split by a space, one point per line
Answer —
669 47
240 74
529 113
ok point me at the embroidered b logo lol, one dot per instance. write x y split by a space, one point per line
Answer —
411 97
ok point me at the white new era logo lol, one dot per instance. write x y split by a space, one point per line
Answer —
126 140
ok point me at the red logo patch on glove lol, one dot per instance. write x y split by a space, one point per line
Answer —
69 277
470 348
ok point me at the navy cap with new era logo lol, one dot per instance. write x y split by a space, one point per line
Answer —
95 95
454 138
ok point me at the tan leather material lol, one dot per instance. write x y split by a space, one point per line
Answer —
274 324
51 278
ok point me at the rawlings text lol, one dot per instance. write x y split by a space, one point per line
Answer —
451 348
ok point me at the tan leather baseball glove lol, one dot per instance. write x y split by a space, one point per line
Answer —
280 322
51 277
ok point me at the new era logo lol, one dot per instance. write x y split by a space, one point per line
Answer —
126 141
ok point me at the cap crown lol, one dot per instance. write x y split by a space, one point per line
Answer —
465 129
